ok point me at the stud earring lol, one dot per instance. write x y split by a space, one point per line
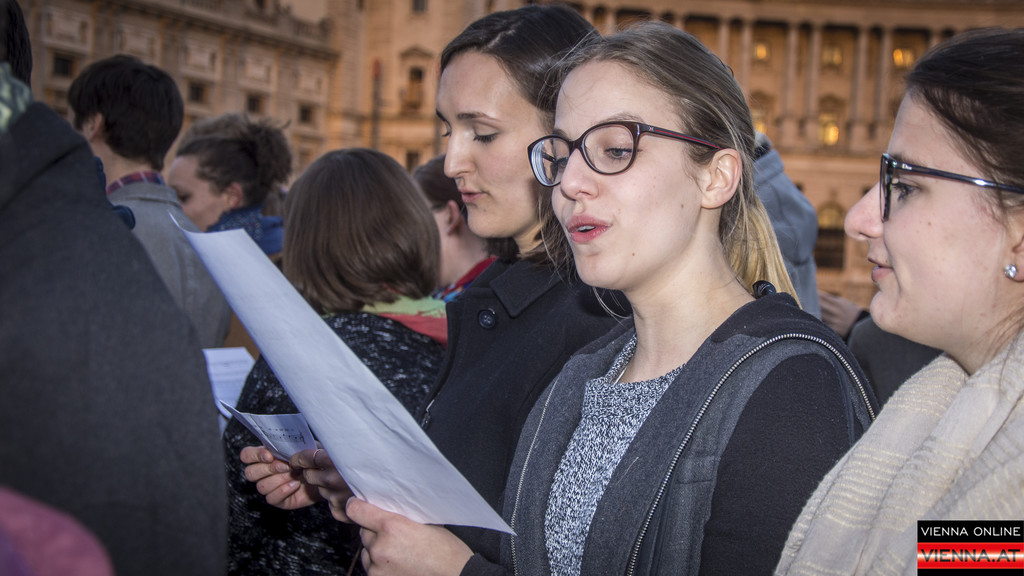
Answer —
1010 271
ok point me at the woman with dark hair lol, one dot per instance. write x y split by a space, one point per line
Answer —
944 228
228 172
463 254
516 324
361 247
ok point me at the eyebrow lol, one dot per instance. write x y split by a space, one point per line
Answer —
620 117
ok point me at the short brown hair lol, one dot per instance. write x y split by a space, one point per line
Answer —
358 231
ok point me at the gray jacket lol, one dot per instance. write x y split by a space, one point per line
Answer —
673 500
190 284
794 221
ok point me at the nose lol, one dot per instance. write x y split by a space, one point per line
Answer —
864 220
576 178
456 158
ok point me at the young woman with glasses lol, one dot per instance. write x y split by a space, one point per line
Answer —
688 438
945 231
511 330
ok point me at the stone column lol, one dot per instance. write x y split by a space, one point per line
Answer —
858 123
787 116
810 121
723 39
745 56
880 122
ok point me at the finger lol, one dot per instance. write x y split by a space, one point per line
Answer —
257 472
365 557
365 514
281 493
306 458
253 454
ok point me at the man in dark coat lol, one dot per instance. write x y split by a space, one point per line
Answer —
105 407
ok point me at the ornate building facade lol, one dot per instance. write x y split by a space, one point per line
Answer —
823 77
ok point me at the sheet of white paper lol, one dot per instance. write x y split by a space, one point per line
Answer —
282 434
385 457
228 369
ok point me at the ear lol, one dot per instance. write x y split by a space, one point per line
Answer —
1015 239
233 195
452 216
92 128
722 178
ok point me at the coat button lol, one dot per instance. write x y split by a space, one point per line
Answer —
487 319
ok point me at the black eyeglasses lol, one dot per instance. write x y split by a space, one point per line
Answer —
890 165
608 148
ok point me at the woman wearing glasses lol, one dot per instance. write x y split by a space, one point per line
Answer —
945 230
687 439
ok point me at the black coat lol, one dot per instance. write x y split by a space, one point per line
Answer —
105 407
509 333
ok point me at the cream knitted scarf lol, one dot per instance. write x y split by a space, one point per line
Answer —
944 447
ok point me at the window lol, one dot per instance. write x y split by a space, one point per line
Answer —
903 58
63 66
412 160
829 252
828 129
305 114
254 104
419 6
762 51
412 97
196 93
832 56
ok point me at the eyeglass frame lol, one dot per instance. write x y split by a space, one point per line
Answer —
889 166
636 129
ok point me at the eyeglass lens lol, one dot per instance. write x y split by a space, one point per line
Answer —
606 149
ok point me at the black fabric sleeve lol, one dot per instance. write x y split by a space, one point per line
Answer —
479 566
792 431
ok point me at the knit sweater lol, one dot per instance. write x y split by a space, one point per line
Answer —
946 446
266 540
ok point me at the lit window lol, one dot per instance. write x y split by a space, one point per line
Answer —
828 129
832 56
762 51
758 116
903 57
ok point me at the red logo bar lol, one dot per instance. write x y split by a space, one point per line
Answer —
994 555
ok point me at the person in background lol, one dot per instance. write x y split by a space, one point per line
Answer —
228 172
130 113
691 435
361 247
99 368
944 229
463 254
793 219
515 325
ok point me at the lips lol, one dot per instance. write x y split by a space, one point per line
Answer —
880 270
583 228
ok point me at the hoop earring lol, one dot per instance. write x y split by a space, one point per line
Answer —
1010 271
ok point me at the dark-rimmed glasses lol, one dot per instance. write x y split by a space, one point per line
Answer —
890 165
608 148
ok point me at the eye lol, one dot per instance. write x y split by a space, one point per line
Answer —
902 190
485 138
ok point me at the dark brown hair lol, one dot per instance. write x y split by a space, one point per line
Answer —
974 84
358 232
528 42
232 148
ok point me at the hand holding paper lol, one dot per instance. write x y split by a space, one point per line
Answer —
383 454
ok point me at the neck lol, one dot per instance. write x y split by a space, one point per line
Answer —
673 321
115 166
460 256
